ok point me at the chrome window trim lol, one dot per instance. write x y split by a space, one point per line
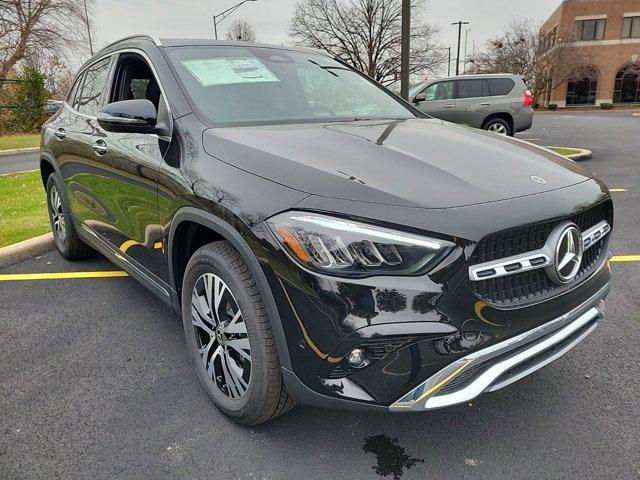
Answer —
589 238
153 70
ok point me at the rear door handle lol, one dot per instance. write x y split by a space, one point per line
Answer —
448 105
100 147
60 133
486 104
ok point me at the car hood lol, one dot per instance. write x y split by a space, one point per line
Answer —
416 162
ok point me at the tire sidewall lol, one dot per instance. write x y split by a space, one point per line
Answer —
506 125
61 245
207 260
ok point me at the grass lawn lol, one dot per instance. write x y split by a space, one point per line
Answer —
564 151
9 142
23 207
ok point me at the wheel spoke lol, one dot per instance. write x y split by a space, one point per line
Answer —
217 354
206 349
235 325
200 304
219 289
236 372
232 389
198 320
240 345
208 294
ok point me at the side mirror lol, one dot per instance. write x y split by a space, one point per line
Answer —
129 116
421 97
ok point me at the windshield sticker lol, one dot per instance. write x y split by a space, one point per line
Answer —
227 71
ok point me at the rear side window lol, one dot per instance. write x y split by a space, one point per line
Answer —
473 88
501 86
73 93
95 78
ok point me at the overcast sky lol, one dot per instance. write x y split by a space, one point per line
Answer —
192 18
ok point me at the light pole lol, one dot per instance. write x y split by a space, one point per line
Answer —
218 17
86 17
449 62
404 49
459 23
464 62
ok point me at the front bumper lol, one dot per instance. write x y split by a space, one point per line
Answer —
503 363
413 329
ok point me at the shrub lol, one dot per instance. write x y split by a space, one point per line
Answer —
30 99
553 106
606 106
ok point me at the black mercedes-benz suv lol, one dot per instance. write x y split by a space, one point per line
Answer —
323 241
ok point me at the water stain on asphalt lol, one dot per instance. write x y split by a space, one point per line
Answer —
390 456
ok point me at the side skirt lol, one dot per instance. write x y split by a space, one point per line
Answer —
146 278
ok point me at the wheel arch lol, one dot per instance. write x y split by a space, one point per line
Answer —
183 221
48 166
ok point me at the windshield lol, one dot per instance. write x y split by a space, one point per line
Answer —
264 85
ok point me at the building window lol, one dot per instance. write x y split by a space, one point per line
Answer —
590 29
583 86
627 86
631 27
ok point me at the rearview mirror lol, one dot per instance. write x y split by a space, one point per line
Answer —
421 97
129 116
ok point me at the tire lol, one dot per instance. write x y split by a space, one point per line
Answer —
248 390
64 232
499 126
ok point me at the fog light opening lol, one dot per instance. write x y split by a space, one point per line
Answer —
357 358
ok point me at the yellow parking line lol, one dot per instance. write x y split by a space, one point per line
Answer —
61 275
130 243
625 258
617 189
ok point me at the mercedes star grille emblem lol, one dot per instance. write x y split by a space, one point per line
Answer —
568 255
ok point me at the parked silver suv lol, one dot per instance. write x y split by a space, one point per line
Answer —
500 103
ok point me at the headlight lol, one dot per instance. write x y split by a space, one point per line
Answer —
343 247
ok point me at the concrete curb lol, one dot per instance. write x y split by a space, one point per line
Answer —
19 150
26 249
583 154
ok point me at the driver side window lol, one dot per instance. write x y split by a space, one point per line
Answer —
439 91
134 80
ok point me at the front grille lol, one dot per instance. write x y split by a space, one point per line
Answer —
533 285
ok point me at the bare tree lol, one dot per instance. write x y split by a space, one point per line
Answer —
366 34
241 31
544 62
32 28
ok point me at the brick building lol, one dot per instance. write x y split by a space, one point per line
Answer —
601 43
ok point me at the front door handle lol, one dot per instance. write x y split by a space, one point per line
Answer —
60 133
100 147
448 105
486 104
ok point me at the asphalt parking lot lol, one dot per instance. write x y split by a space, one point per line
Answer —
96 381
17 162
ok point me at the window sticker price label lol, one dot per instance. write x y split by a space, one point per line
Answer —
229 71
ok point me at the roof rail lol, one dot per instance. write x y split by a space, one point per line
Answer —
149 37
